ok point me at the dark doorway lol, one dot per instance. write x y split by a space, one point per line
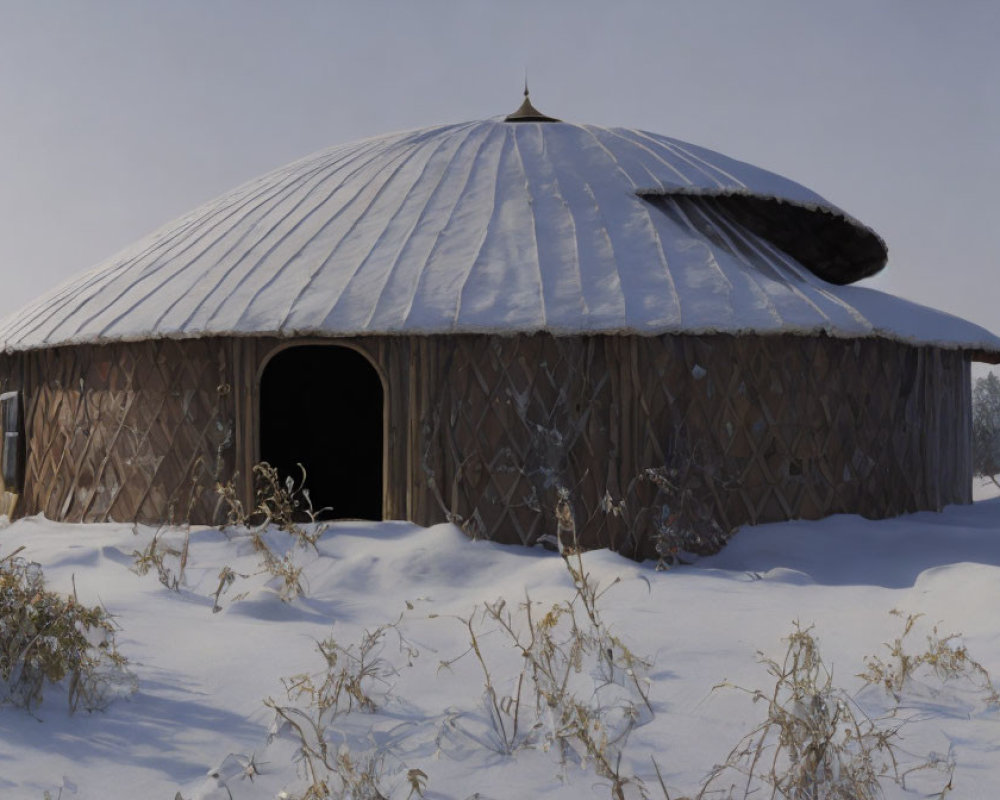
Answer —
321 406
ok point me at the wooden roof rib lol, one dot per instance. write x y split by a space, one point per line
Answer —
492 227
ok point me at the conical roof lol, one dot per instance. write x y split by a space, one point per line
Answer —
496 226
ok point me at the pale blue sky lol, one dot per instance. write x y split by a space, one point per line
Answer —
119 115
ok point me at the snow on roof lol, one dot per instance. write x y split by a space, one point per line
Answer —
489 226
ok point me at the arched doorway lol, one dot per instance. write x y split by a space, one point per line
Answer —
321 406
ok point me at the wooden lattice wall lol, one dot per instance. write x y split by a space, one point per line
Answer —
766 428
126 432
485 430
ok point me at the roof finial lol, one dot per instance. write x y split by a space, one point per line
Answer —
527 112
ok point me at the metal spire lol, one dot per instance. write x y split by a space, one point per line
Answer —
527 112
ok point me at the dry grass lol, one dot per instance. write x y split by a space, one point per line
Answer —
355 678
580 690
282 504
944 657
51 639
159 556
815 742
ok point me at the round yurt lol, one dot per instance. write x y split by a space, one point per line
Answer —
529 327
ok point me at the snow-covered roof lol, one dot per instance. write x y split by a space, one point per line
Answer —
495 226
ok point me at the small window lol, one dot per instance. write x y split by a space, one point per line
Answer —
12 459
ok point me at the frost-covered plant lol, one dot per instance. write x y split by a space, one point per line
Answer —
355 678
682 512
815 742
685 518
944 657
579 689
278 503
227 576
359 777
282 567
157 555
48 638
281 503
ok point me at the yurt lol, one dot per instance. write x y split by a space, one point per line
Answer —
532 328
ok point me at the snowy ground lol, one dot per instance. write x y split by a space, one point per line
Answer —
203 676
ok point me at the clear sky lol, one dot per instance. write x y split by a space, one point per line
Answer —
119 115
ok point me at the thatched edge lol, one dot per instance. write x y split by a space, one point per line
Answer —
981 351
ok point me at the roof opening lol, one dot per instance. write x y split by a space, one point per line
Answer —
830 246
321 406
